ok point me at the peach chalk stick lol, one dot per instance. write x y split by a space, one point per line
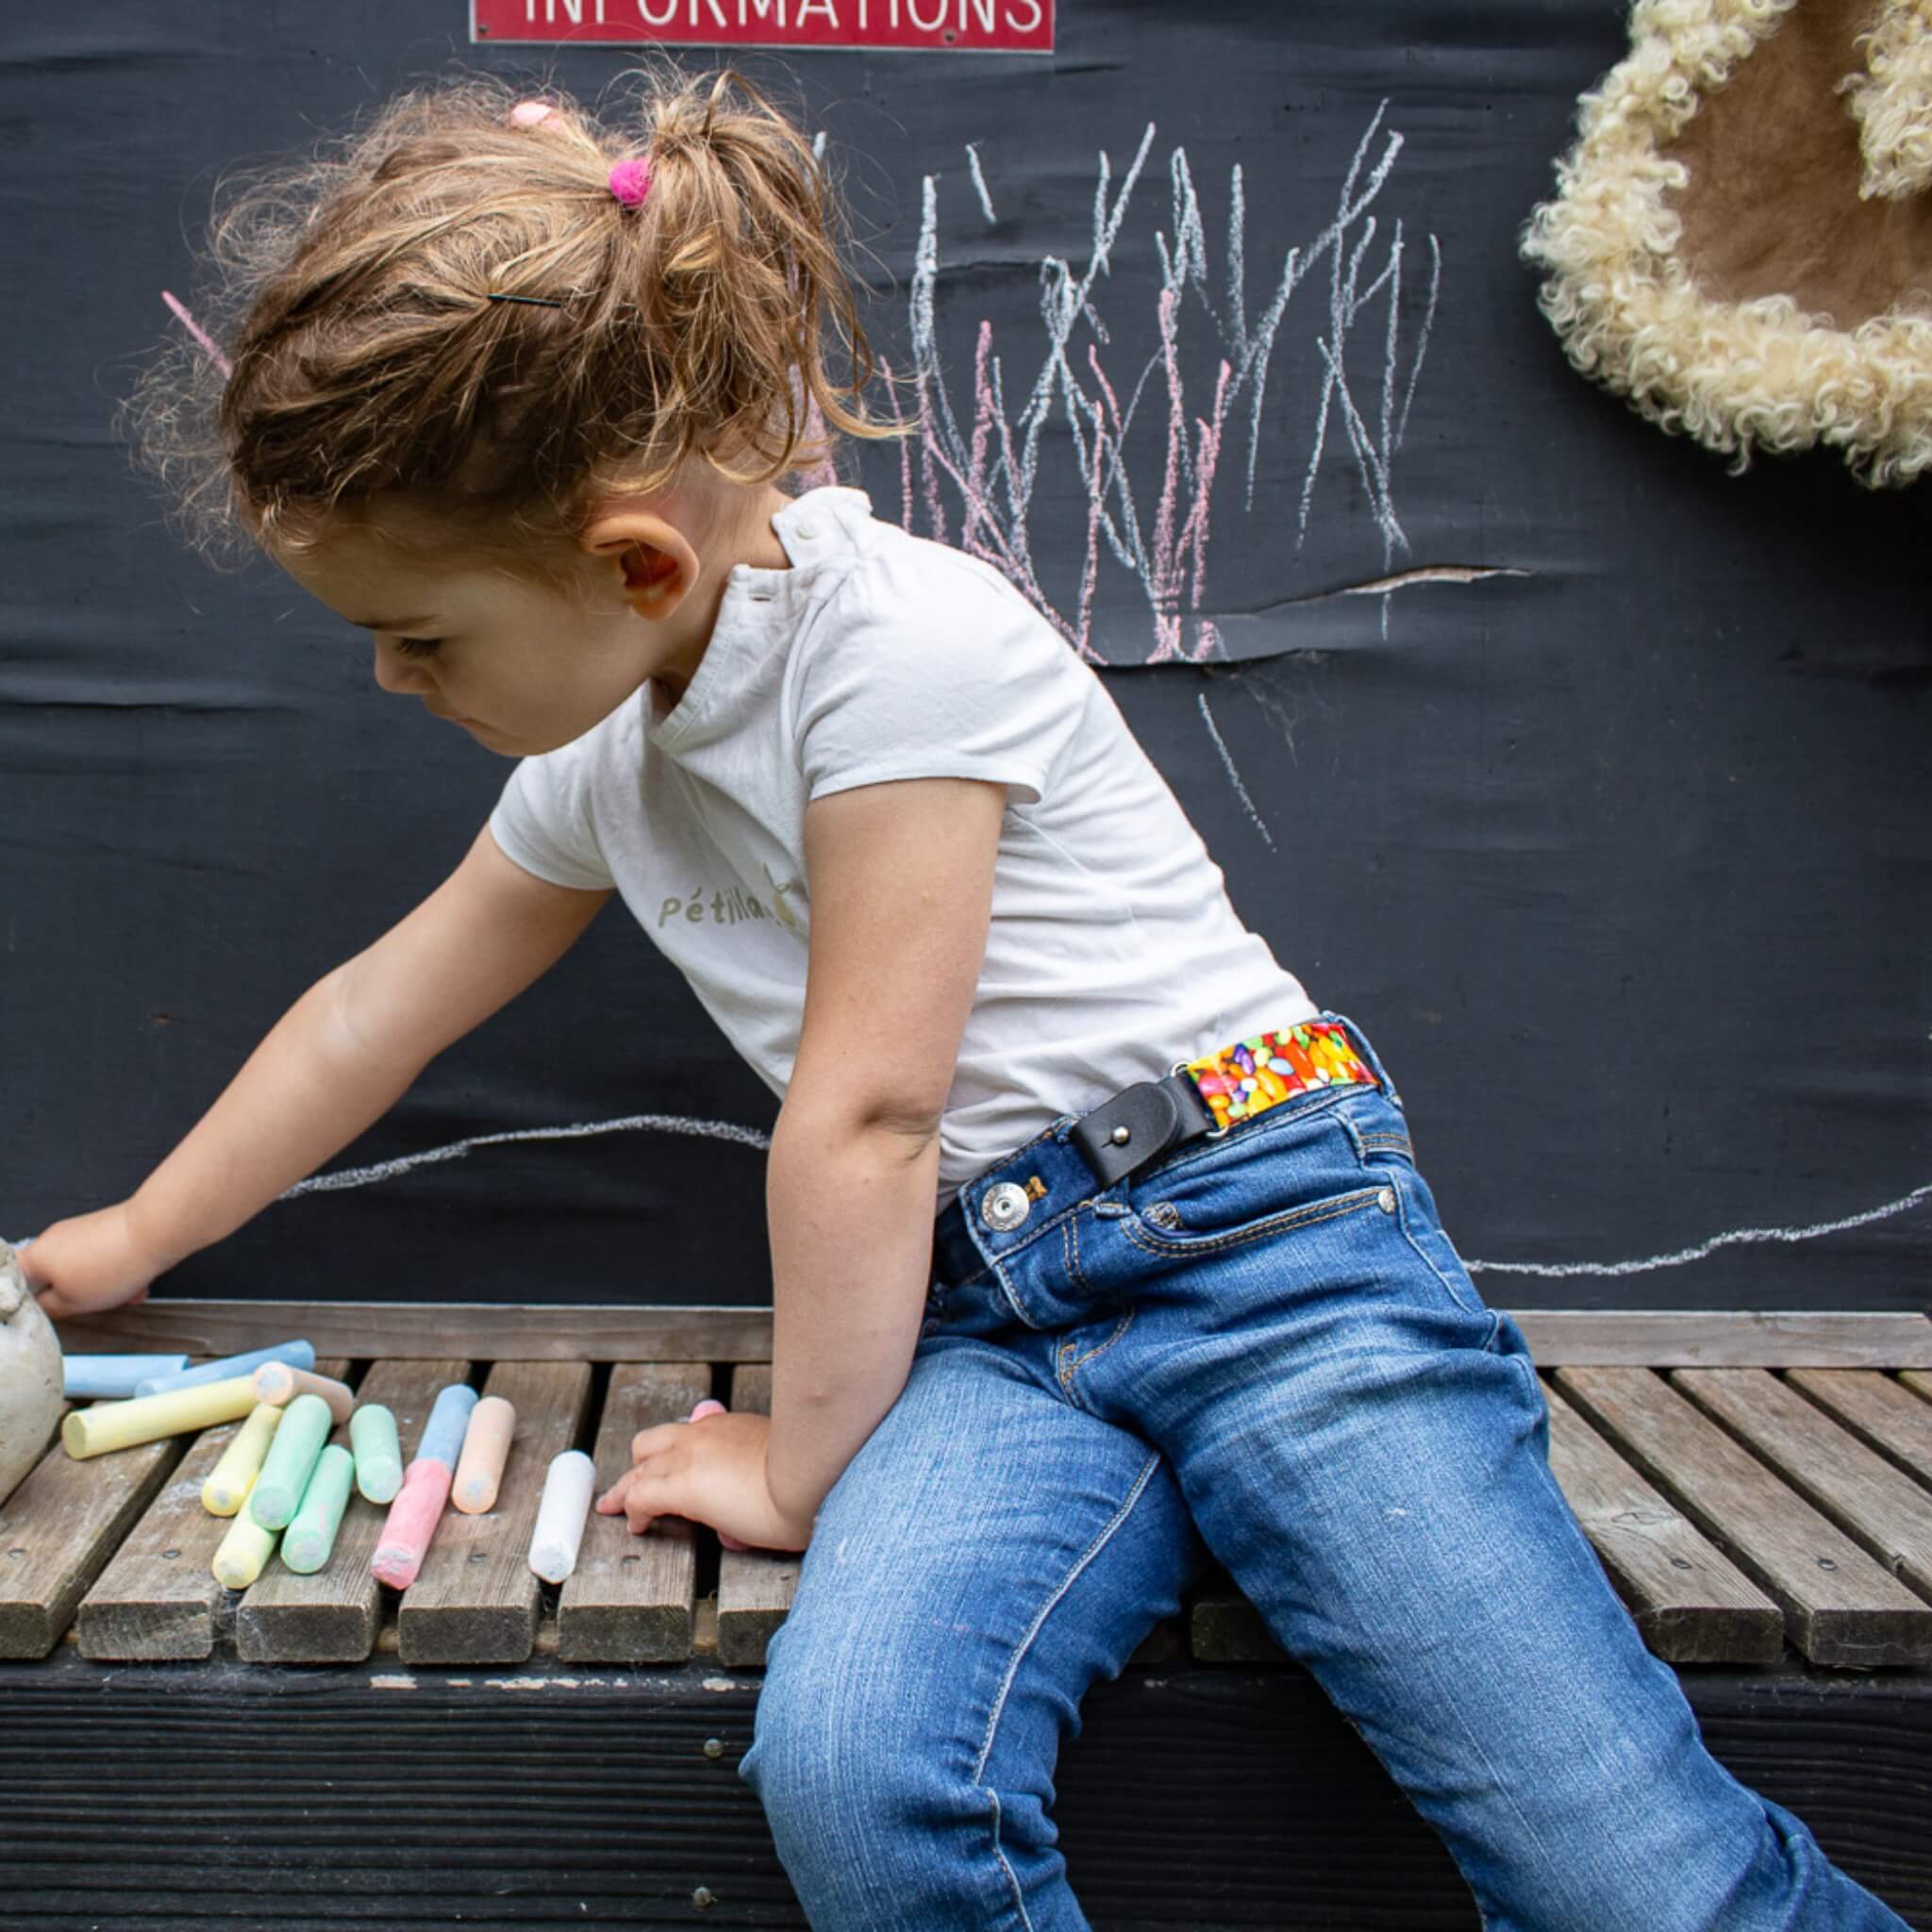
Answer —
309 1540
378 1457
486 1448
244 1552
149 1418
228 1481
412 1520
709 1406
561 1515
279 1383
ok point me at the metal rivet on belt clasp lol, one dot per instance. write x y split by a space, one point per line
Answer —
1004 1206
1120 1136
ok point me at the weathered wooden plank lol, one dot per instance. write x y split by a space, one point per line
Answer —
58 1530
630 1598
755 1587
1839 1606
1691 1604
1917 1384
1224 1627
1693 1338
1876 1409
1875 1504
333 1617
476 1599
604 1332
404 1331
157 1598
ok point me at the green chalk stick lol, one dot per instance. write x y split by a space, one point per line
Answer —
309 1540
378 1456
285 1471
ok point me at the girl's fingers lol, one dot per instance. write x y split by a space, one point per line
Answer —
658 1437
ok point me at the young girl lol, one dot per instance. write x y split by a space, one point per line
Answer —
515 391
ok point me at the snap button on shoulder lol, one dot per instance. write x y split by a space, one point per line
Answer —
1004 1206
806 527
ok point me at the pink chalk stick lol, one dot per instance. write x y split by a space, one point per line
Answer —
412 1520
709 1406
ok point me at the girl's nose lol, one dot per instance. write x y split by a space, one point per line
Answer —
393 672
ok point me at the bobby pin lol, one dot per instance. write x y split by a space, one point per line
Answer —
534 301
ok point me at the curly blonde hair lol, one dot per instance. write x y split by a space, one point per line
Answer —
359 295
1738 375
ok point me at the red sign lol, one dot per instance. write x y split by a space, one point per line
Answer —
965 26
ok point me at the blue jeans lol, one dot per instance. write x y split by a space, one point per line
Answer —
1268 1339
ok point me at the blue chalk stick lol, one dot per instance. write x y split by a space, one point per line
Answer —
298 1355
105 1377
443 1434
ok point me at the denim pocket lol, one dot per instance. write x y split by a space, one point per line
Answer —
1378 1136
1266 1180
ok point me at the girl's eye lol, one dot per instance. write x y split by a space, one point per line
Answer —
417 648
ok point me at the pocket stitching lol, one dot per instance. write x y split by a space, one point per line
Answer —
1305 1215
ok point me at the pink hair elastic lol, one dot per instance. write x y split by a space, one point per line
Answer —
630 181
530 113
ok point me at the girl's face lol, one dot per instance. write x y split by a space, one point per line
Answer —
523 666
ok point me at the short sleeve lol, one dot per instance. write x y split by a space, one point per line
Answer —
934 672
543 820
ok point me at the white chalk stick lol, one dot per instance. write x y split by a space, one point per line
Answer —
561 1514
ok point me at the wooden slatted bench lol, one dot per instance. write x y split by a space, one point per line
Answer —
485 1748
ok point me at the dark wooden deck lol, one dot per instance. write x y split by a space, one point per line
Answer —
488 1749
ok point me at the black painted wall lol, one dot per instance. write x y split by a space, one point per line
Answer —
1618 854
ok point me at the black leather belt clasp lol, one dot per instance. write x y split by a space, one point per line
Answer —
1140 1124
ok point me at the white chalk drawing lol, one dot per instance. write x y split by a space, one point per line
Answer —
1234 777
1369 342
750 1136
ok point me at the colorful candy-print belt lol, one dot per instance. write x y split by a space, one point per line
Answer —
1207 1097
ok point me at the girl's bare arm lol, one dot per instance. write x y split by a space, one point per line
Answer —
337 1060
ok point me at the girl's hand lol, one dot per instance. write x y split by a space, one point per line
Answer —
711 1471
89 1262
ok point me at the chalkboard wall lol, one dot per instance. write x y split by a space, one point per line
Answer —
1613 835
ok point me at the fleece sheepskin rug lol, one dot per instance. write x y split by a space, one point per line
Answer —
1742 238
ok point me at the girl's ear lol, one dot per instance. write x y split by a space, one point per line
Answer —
654 563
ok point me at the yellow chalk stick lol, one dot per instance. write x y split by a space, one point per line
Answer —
227 1482
149 1418
244 1549
486 1448
279 1383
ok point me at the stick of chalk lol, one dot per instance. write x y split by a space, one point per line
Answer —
412 1520
309 1540
242 1553
289 1462
149 1418
100 1376
378 1459
443 1434
298 1355
228 1481
279 1383
561 1514
709 1406
486 1448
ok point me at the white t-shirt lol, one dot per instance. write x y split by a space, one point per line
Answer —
1113 951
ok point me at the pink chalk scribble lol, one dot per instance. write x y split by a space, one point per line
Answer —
200 335
992 466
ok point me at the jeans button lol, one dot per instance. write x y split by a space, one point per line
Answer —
1386 1200
1004 1206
